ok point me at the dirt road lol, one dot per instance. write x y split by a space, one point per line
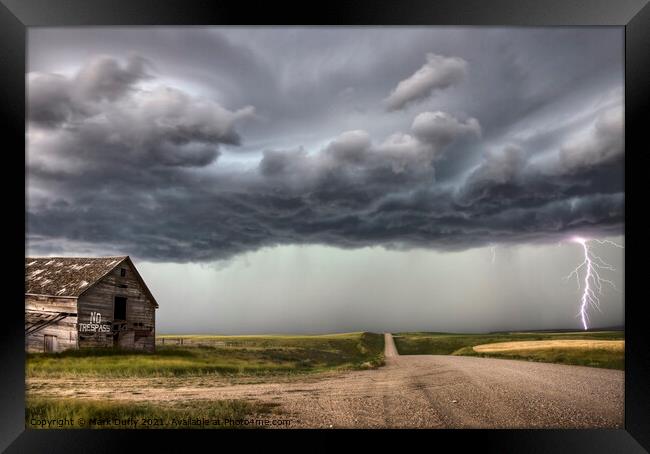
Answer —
390 351
410 391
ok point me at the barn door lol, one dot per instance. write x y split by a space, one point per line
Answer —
50 343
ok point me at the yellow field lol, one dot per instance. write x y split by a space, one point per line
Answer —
582 344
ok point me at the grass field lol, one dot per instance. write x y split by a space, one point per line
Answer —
593 354
579 344
93 414
222 355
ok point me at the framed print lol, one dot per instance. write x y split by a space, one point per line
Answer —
364 217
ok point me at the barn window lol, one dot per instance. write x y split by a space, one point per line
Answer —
50 344
122 272
119 311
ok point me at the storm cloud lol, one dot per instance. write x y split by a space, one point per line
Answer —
436 74
278 141
100 115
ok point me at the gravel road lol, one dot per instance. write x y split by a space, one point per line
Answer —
409 391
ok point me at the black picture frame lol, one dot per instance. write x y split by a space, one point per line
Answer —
17 15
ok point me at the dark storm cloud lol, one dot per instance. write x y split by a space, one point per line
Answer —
121 153
100 115
55 99
308 85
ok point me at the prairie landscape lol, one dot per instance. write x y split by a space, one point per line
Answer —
223 356
201 360
338 380
593 348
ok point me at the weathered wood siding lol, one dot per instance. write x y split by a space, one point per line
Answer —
50 303
139 331
65 330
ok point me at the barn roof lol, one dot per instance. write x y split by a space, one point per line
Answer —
70 276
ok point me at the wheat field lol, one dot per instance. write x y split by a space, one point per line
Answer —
582 344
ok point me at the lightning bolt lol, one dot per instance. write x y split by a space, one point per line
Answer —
592 286
493 249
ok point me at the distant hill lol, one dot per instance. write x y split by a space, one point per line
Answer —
562 330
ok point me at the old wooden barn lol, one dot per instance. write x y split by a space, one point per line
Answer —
80 302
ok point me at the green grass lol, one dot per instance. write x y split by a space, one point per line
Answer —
252 356
578 357
93 414
422 343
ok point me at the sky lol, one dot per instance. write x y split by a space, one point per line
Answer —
334 179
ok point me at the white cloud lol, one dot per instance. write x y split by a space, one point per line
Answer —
437 73
601 142
440 128
408 154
